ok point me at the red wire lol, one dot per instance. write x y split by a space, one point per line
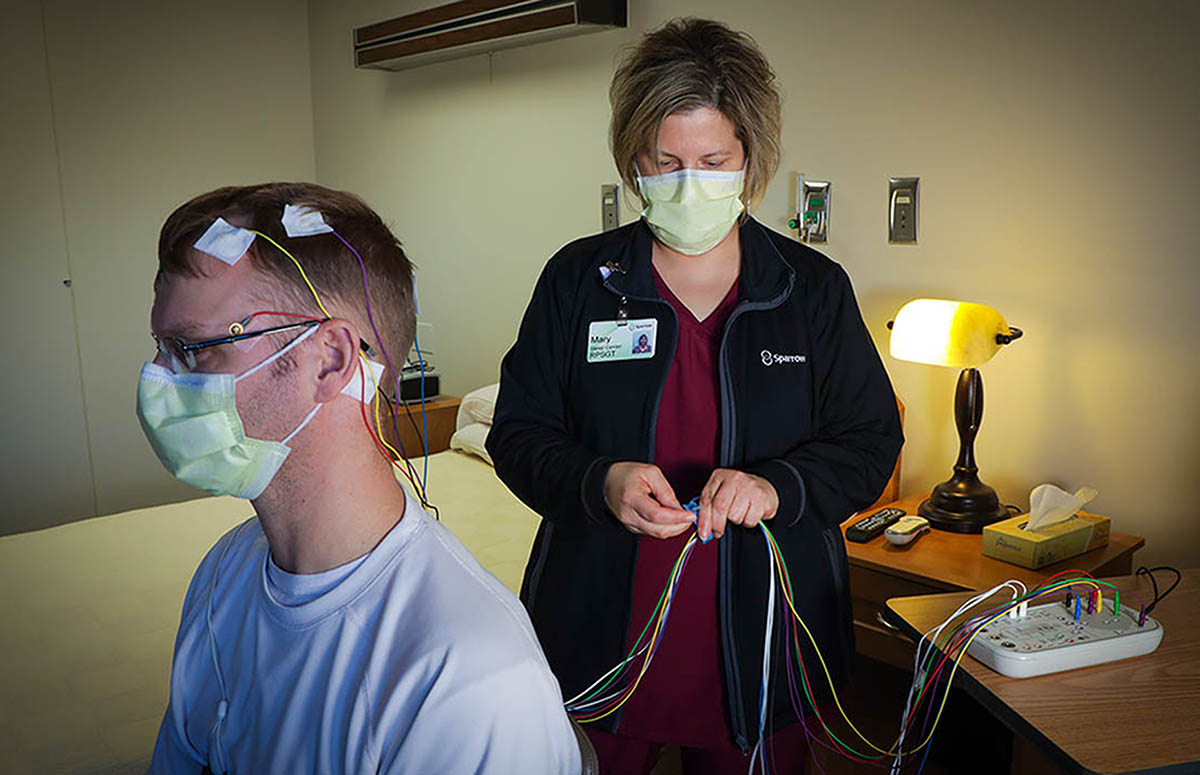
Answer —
282 314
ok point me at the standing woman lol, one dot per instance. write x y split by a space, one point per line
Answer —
757 388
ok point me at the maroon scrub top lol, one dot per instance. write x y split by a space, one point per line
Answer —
681 699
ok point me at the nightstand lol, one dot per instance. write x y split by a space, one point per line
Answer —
940 561
442 413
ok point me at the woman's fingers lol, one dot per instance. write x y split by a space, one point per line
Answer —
642 500
734 497
660 488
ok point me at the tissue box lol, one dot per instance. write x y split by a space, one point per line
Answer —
1005 540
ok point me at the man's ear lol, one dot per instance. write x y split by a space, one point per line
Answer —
337 342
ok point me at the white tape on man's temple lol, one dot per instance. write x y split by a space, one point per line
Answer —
224 241
301 221
354 388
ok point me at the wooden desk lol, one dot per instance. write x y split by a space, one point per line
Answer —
441 413
940 561
1137 714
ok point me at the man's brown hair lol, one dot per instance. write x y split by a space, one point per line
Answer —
331 266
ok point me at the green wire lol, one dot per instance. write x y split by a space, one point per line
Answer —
638 642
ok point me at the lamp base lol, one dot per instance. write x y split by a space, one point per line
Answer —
962 505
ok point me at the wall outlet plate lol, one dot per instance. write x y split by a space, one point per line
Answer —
610 206
903 197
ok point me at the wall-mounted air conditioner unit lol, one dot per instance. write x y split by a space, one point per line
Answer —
477 26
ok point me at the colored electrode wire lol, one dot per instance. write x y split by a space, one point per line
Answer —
932 675
590 704
395 372
389 453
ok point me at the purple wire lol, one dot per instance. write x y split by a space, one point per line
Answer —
387 358
629 666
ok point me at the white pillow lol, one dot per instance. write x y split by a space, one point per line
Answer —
477 406
471 438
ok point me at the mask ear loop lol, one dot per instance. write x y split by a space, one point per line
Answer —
277 354
303 422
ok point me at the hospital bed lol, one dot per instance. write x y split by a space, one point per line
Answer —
89 611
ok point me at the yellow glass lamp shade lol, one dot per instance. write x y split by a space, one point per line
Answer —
964 336
959 334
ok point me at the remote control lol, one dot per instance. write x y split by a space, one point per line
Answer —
907 530
870 527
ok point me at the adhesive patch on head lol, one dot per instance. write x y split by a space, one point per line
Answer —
299 221
225 241
354 388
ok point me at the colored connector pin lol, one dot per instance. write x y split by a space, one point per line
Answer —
694 506
1142 616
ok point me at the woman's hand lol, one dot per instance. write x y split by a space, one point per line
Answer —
642 500
737 497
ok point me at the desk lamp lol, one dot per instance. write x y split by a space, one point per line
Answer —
964 336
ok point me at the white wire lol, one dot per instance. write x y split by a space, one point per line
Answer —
570 704
925 646
769 631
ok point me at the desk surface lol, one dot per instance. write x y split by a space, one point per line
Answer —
1138 714
955 561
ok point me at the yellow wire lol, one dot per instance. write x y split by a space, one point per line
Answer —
297 263
653 637
378 426
829 678
365 369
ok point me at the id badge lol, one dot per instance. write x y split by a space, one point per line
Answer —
611 341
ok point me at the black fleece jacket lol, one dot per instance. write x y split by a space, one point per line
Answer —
805 403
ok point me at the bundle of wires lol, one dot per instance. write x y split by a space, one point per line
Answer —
397 458
937 657
613 689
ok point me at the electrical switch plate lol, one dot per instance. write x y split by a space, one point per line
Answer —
902 209
812 220
610 201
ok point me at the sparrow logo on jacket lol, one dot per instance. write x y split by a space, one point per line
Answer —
769 358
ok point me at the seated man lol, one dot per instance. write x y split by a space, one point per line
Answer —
341 629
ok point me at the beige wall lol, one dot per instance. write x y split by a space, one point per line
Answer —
114 113
1056 145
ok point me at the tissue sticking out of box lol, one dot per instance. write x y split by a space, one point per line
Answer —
1049 504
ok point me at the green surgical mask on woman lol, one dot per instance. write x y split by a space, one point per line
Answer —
691 211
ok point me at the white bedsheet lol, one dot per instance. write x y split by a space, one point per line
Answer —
88 613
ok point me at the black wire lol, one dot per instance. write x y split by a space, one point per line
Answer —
391 405
1149 573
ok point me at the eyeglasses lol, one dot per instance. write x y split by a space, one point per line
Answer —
185 352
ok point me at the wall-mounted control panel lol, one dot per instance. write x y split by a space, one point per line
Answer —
902 209
812 203
610 202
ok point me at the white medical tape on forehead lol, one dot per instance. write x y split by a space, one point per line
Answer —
354 388
225 241
301 221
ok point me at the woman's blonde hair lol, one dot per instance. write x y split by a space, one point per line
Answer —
688 64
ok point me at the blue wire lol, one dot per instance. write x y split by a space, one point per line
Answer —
424 417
